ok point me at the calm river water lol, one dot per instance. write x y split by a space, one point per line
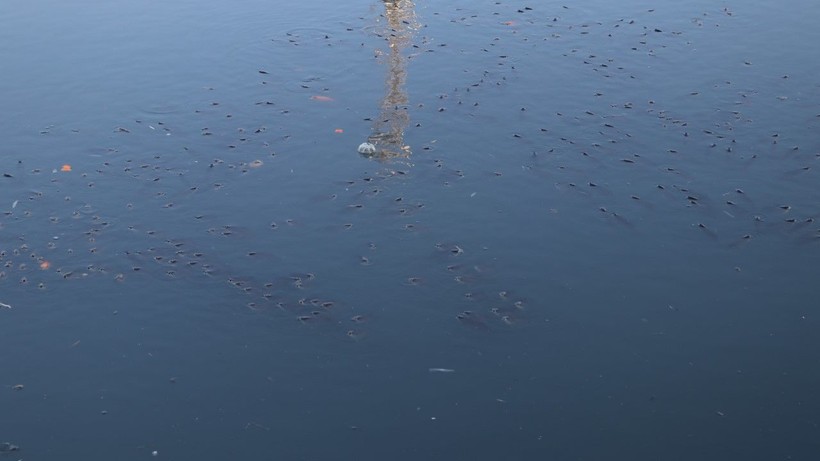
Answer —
583 231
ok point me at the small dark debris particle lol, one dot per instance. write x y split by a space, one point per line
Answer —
6 447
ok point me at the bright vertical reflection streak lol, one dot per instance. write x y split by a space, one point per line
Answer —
389 126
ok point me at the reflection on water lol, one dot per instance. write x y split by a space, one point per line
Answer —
393 118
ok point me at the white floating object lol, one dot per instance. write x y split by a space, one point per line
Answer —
367 148
441 370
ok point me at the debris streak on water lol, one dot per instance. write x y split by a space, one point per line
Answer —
605 216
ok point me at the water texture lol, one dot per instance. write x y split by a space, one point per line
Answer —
585 230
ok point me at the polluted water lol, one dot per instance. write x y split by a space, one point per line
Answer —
237 230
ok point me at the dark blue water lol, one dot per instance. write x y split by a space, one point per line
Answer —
589 231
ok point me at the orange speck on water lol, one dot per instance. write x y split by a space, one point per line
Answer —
65 167
338 130
319 97
44 265
508 23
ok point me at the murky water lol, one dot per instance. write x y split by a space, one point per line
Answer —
587 231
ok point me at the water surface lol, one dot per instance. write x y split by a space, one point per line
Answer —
590 231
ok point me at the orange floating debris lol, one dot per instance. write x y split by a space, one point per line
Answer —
319 97
338 130
65 167
45 265
509 23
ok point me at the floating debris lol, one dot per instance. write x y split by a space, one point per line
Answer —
367 148
7 447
